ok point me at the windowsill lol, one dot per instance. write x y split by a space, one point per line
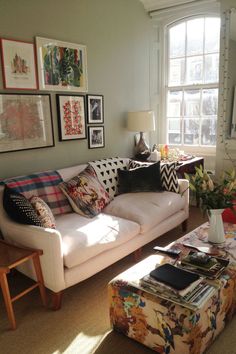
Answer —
196 150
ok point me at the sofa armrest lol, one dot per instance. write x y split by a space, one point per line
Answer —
48 240
184 191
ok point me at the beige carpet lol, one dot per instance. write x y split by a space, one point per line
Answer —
82 325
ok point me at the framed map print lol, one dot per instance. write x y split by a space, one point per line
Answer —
62 66
71 117
18 65
25 122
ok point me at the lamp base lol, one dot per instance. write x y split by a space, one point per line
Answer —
142 150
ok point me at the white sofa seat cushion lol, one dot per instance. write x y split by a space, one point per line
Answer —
146 208
84 238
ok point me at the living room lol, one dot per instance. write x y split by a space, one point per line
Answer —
126 56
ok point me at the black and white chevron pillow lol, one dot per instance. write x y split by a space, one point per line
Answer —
169 178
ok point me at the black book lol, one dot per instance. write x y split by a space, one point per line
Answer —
177 278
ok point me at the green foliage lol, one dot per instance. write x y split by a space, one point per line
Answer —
212 194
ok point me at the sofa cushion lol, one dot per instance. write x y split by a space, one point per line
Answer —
142 179
85 193
146 208
43 185
169 177
84 238
19 209
106 171
43 211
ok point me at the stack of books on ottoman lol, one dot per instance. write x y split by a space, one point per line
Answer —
178 285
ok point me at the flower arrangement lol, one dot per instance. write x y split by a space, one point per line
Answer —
211 194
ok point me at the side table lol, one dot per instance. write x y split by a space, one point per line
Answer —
10 257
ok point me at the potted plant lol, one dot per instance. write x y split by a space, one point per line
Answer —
213 197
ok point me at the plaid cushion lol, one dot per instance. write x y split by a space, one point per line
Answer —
43 185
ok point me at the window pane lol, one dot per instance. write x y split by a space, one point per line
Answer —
195 30
191 131
177 41
208 133
176 76
212 68
174 138
174 125
212 38
194 70
192 103
210 102
174 103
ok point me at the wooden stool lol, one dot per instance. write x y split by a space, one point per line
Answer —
10 257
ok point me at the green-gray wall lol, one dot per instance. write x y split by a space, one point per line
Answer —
116 33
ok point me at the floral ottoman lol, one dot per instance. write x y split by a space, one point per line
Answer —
167 327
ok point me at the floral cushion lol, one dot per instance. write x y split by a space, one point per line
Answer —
43 211
85 193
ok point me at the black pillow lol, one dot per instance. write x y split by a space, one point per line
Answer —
19 209
142 179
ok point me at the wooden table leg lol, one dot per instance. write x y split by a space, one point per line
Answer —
40 280
7 300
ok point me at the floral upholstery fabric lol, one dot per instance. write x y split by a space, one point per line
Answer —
85 193
164 326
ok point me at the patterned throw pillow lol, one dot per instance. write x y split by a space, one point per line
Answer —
19 209
169 178
43 185
44 213
85 193
107 174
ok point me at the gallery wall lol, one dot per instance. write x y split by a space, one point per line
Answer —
116 33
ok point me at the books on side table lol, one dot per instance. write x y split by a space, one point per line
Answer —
180 286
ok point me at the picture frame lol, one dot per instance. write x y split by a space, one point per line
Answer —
18 65
95 109
96 137
71 117
62 66
25 122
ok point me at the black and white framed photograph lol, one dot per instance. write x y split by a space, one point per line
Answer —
96 137
95 106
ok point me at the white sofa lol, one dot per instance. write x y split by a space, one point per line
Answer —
80 247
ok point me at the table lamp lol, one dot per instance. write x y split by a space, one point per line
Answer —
142 121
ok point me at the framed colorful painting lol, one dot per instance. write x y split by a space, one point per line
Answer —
62 66
25 122
18 65
96 137
95 109
71 117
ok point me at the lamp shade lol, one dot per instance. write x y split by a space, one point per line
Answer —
142 121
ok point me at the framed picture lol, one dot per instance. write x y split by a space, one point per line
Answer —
25 122
18 65
62 66
96 137
71 117
95 106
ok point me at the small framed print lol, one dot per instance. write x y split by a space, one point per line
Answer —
71 117
95 106
18 65
96 137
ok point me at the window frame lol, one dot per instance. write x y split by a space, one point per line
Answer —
164 44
